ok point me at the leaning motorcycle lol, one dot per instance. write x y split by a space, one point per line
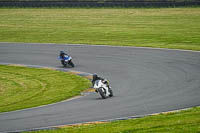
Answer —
67 60
103 89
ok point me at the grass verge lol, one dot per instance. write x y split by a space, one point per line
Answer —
187 121
155 27
22 87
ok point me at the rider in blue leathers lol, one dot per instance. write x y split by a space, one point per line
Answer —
62 54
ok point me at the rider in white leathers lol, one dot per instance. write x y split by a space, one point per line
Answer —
96 77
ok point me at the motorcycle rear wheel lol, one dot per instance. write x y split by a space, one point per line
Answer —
63 63
71 63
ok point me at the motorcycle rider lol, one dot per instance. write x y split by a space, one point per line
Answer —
62 54
96 77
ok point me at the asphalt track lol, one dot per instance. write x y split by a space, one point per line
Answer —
144 81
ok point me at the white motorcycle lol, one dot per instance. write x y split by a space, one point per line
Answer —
103 89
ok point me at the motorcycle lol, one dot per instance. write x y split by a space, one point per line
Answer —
103 89
67 60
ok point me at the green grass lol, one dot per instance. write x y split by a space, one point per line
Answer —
157 27
22 87
187 121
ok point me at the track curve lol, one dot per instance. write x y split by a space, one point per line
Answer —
144 81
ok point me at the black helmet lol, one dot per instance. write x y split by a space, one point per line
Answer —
62 52
95 76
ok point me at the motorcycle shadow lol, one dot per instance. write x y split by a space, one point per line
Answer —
64 67
100 98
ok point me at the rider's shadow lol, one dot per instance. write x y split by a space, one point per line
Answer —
96 97
64 67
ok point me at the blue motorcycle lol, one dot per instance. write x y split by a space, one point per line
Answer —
66 60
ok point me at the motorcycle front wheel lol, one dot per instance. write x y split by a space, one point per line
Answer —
102 92
111 93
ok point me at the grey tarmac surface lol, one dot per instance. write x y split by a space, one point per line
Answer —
144 81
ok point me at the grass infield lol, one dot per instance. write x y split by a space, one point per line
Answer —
154 27
22 87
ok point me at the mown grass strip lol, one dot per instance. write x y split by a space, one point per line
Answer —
22 87
187 121
155 27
